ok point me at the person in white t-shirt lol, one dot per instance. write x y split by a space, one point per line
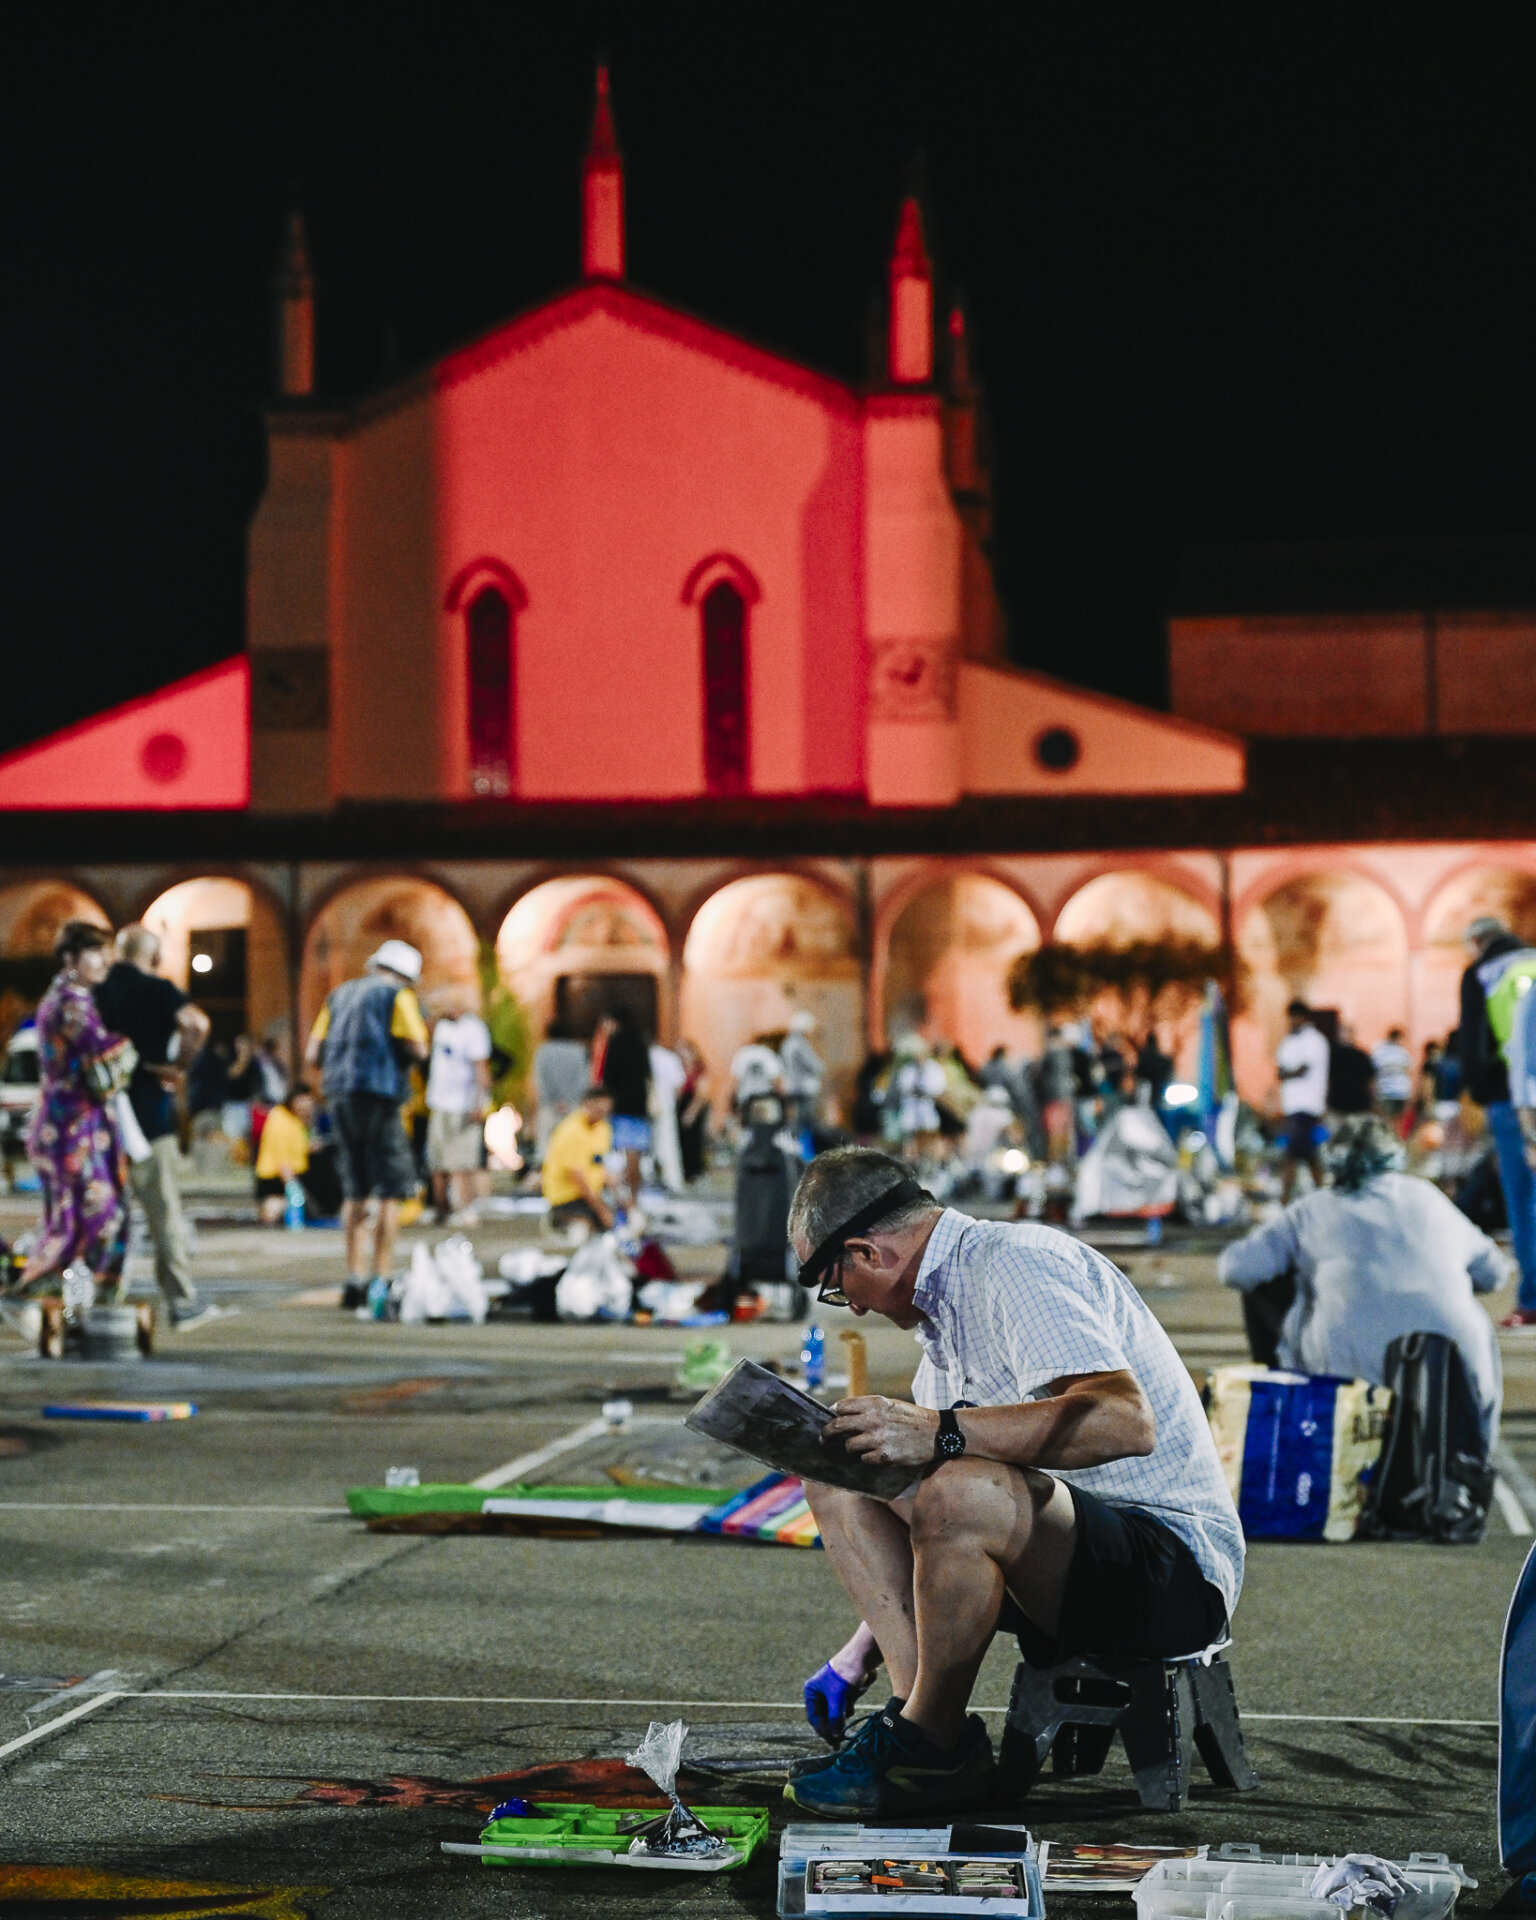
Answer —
1394 1075
756 1070
667 1076
1301 1060
458 1098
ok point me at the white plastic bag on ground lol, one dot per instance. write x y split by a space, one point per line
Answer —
460 1273
670 1299
422 1295
596 1284
1132 1168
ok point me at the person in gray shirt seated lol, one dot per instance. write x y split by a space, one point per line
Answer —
1377 1255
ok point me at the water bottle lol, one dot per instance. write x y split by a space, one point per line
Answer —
813 1356
378 1297
1154 1230
293 1207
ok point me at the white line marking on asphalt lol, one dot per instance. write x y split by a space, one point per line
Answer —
100 1682
776 1706
526 1463
1510 1507
1519 1482
113 1506
53 1726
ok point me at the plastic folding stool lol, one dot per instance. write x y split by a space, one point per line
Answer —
1163 1710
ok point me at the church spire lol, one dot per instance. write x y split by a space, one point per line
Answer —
293 289
602 193
909 350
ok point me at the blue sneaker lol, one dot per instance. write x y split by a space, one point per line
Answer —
891 1767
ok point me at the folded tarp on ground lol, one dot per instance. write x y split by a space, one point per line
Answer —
774 1510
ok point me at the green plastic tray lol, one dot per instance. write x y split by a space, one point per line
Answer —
571 1834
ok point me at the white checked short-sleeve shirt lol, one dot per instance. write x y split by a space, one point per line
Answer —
1007 1308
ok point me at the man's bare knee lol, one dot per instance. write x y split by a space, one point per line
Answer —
978 1496
824 1500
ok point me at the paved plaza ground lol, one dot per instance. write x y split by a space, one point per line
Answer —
308 1709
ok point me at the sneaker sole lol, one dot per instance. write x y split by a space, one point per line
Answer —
924 1796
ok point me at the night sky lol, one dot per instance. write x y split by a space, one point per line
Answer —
1235 276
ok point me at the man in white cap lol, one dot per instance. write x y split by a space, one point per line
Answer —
368 1032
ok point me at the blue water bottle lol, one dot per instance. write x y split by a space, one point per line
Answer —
293 1205
813 1356
1154 1230
378 1297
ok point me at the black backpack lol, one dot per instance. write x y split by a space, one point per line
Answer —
764 1184
1434 1480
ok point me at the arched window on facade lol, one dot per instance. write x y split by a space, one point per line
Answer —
727 741
488 646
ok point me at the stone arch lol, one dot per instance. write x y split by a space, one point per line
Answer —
245 984
760 948
1131 904
945 960
360 914
31 913
576 943
1337 938
1487 886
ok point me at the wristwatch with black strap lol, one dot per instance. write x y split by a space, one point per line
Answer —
949 1443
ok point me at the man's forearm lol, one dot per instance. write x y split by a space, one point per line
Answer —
1083 1427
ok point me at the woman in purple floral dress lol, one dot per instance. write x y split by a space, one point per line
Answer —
73 1142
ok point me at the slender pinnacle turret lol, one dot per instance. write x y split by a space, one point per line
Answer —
909 354
293 290
602 193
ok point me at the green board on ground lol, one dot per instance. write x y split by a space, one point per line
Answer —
377 1503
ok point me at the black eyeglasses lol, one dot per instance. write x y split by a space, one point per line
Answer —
830 1293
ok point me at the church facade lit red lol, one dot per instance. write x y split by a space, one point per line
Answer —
637 651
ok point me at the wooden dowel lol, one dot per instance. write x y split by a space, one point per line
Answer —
858 1362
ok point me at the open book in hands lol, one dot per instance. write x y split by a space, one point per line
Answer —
759 1414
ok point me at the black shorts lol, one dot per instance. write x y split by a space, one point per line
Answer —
373 1155
270 1187
569 1211
1301 1135
1134 1592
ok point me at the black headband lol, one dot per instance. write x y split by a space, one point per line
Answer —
903 1194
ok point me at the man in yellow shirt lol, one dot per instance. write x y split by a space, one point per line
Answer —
574 1175
368 1033
283 1154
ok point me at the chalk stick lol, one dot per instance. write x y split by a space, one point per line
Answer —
121 1410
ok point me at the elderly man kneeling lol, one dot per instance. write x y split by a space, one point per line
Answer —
1065 1484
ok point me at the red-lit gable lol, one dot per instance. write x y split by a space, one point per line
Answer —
184 747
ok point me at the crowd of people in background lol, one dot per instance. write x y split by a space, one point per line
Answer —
390 1111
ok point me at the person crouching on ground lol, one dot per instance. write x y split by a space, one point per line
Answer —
575 1175
1065 1484
1379 1254
283 1155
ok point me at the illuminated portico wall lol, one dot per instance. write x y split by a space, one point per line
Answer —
761 949
946 961
355 921
216 902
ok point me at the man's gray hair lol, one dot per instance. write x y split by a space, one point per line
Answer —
839 1184
138 944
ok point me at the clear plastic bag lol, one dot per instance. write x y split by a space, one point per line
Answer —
677 1831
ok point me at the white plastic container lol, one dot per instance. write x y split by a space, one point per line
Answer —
1251 1887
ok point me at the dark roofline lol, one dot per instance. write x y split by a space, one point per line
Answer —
1361 576
1299 792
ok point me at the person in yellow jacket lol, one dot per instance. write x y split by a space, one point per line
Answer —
283 1154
